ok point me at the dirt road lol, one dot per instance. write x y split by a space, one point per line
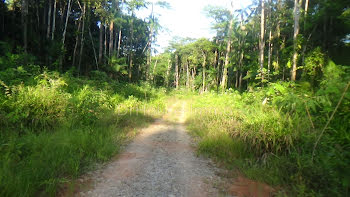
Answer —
159 162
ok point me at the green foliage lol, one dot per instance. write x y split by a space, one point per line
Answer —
269 135
314 62
36 107
55 126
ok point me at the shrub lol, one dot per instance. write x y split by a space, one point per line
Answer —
37 107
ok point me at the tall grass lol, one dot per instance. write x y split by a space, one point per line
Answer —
269 135
55 127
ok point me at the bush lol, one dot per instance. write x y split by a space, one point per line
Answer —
38 107
269 134
55 126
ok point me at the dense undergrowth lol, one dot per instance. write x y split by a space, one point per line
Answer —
55 126
269 134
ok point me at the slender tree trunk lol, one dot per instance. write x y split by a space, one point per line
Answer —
100 51
296 13
131 46
269 55
76 42
36 13
194 72
62 10
278 32
176 71
64 34
120 34
93 47
154 70
236 77
130 65
218 70
115 42
168 73
82 38
203 66
66 23
53 20
227 58
49 20
24 13
119 40
240 80
148 65
305 13
149 51
105 42
261 40
111 33
187 75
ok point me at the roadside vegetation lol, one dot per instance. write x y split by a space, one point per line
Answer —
55 126
286 134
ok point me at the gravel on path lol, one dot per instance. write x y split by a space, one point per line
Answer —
161 161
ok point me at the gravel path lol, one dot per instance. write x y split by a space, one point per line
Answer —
159 162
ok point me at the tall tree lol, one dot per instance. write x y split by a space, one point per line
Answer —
100 51
296 14
54 20
228 50
49 20
262 40
82 37
24 13
64 33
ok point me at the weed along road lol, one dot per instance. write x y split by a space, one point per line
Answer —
159 162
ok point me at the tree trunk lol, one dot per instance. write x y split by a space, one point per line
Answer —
154 70
115 41
76 42
93 47
49 20
261 40
193 77
203 66
168 73
24 14
119 40
218 70
131 50
100 50
269 55
66 23
236 77
149 51
82 39
227 57
216 60
130 65
176 71
105 42
305 13
240 80
64 34
296 13
278 32
53 20
111 33
187 75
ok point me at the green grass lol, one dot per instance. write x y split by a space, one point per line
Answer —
272 142
58 127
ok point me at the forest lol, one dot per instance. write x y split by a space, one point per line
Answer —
273 83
